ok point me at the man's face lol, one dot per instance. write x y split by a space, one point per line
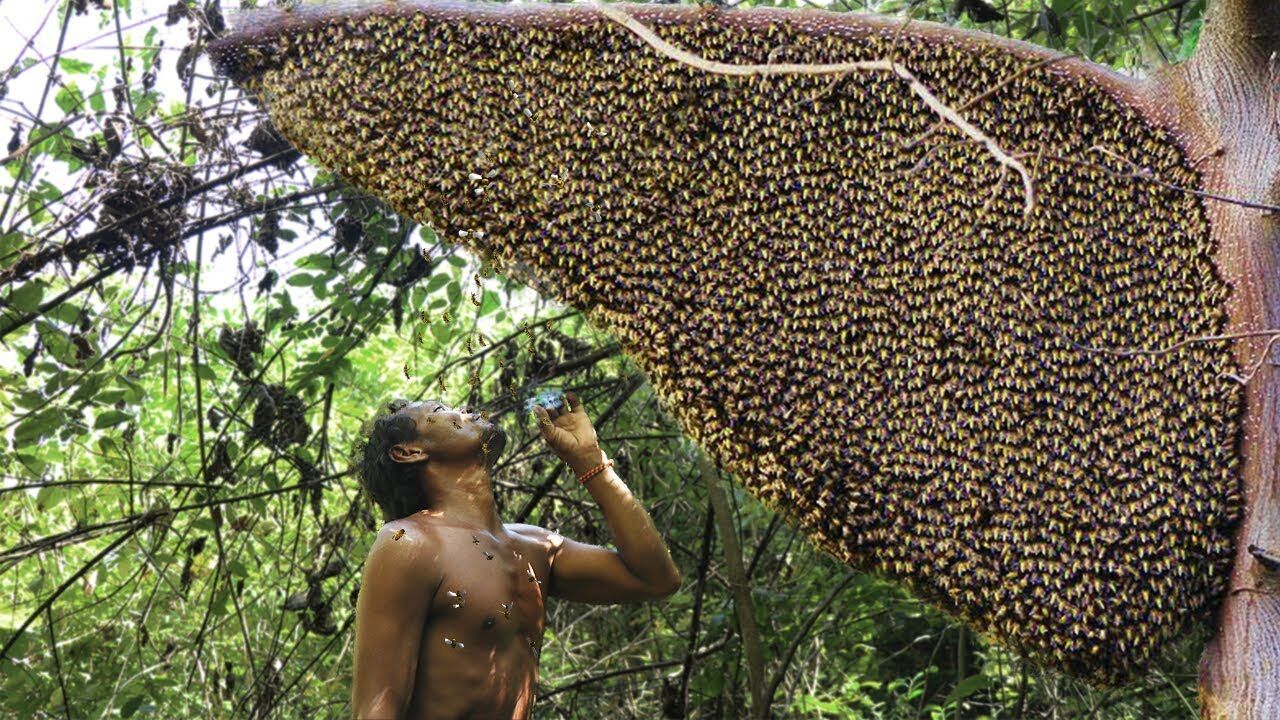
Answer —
448 433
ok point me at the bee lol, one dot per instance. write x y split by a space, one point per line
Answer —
442 384
506 610
487 555
426 254
476 277
423 316
459 597
454 643
399 534
406 371
533 578
475 540
469 346
446 316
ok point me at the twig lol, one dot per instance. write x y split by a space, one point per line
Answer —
742 602
803 633
931 100
704 562
1143 174
629 671
988 93
57 662
48 602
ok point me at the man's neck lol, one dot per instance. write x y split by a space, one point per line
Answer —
463 495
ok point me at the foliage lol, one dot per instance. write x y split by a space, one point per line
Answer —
195 323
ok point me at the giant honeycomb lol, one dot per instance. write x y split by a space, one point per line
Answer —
852 316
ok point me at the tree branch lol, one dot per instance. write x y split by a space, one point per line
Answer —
742 602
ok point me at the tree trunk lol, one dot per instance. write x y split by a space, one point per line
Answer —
1228 95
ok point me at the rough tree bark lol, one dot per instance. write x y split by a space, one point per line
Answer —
1228 95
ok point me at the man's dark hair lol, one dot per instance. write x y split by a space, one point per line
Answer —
393 485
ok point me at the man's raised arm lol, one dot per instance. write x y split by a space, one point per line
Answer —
641 568
390 613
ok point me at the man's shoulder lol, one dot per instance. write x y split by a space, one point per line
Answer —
548 539
407 541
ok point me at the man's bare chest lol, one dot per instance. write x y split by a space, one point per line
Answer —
492 595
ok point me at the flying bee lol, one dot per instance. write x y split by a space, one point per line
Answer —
470 347
475 540
453 643
406 371
533 578
399 534
506 610
459 597
426 254
442 384
487 555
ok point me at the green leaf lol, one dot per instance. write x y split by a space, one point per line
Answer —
966 687
49 497
27 297
73 66
1190 41
89 387
131 706
97 100
437 281
206 373
109 418
69 98
35 466
489 302
456 261
300 279
34 428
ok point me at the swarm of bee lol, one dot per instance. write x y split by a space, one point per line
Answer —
242 346
279 417
267 235
866 330
267 142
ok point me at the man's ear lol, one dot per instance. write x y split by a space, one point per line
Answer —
403 453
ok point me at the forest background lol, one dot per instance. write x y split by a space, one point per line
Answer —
195 322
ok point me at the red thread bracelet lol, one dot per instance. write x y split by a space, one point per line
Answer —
583 478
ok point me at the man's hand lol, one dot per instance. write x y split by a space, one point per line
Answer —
570 435
641 567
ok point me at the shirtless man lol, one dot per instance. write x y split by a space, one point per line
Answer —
452 602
